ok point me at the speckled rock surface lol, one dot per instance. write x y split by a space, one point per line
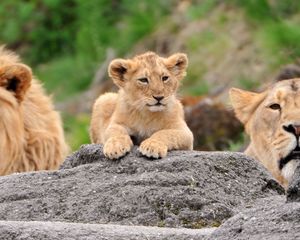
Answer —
10 230
187 194
271 219
187 189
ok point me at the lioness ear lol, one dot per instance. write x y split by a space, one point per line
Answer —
117 69
16 78
177 64
245 103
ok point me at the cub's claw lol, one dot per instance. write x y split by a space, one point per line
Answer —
117 147
153 148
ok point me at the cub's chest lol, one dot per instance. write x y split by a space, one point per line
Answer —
143 128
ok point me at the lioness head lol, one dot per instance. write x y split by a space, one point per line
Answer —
149 81
272 120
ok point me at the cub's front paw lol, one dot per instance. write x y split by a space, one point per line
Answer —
116 147
153 148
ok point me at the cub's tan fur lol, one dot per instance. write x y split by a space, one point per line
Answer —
31 134
272 120
145 108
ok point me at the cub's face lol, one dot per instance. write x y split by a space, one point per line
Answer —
272 119
149 81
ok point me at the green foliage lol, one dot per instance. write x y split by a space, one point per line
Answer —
260 11
199 89
116 24
132 28
96 27
248 83
277 24
281 40
47 25
204 38
256 10
76 129
200 9
286 8
65 76
47 29
239 144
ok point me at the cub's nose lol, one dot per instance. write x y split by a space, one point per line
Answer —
158 98
292 128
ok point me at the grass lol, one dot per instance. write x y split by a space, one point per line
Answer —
211 45
239 144
200 89
203 38
276 24
281 41
248 83
65 77
260 12
199 10
76 130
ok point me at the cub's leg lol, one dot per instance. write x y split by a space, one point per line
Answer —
102 111
103 130
117 143
162 141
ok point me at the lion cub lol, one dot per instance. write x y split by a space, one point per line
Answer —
31 133
145 109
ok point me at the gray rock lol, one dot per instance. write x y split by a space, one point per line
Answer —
187 189
11 230
271 219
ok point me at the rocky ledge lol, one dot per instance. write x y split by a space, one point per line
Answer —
187 195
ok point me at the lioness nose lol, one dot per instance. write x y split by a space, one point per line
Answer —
158 98
292 128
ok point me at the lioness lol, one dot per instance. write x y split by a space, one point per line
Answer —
31 134
272 120
145 109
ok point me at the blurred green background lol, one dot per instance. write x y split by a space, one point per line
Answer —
229 43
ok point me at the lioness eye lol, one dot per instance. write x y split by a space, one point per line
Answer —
275 106
143 80
165 78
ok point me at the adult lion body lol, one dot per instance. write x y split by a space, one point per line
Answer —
144 110
272 120
31 134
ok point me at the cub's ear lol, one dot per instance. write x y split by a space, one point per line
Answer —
117 70
177 64
16 78
245 103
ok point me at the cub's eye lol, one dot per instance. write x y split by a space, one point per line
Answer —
165 78
275 106
143 80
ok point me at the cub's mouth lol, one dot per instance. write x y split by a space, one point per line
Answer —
293 155
157 107
156 104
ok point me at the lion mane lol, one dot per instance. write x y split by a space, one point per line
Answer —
31 134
